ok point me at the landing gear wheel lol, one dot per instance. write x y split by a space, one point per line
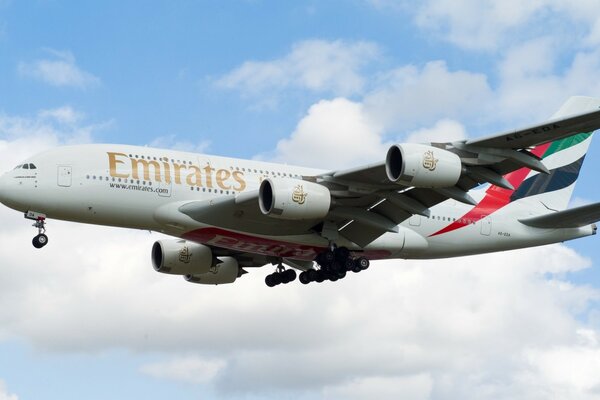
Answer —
40 224
328 256
363 263
281 276
320 276
290 275
271 281
349 264
40 241
304 279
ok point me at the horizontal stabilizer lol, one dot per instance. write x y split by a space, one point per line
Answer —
572 218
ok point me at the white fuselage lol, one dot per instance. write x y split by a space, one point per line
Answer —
142 188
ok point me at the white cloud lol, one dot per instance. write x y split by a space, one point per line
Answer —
545 87
491 25
383 388
565 372
21 137
5 394
410 96
15 146
461 328
187 369
64 115
334 134
317 65
60 70
427 324
171 142
445 130
475 24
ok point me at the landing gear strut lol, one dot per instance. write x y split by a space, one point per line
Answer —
334 264
40 240
281 275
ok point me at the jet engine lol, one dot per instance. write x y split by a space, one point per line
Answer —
181 257
293 199
420 165
226 271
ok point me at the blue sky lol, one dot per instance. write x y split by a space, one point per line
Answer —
324 84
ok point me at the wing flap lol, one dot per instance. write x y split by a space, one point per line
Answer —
572 218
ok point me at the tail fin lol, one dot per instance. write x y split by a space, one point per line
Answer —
563 158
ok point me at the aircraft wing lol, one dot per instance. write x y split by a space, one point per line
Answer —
254 260
366 203
572 218
539 134
369 203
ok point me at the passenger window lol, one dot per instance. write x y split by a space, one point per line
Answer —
25 166
32 166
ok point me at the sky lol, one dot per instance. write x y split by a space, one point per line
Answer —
328 84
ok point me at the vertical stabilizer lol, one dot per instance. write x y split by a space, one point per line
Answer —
563 158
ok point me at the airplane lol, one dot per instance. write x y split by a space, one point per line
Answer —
227 216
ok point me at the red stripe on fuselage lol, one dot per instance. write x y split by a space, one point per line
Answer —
259 245
495 197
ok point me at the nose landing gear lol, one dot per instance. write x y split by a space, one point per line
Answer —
40 240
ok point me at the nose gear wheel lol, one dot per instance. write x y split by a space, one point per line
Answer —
40 240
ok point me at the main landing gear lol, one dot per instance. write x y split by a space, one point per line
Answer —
281 275
334 264
40 240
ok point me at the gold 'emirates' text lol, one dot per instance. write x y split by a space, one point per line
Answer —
164 170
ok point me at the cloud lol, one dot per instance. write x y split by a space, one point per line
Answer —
22 136
451 327
383 388
4 394
334 134
316 65
410 96
491 25
63 115
444 130
468 327
60 70
475 24
570 372
171 142
189 369
48 128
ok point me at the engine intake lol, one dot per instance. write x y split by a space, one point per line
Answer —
293 199
180 257
420 165
226 271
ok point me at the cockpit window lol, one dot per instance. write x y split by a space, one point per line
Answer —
26 166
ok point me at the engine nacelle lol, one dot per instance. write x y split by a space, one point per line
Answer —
293 199
421 165
225 272
181 257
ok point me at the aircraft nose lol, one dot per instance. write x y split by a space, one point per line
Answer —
6 194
